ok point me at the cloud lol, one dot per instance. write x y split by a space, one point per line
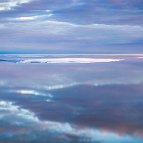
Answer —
26 18
32 93
9 109
9 4
66 28
55 87
70 60
31 18
51 35
71 26
24 122
29 92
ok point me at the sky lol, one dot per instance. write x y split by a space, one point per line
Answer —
71 26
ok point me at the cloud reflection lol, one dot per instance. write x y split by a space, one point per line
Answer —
23 118
71 103
70 60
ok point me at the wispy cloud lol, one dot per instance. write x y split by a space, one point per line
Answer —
26 18
31 18
37 32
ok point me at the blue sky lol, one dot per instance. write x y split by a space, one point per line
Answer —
71 26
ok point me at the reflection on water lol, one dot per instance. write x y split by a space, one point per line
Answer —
71 102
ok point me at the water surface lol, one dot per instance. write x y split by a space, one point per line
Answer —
71 98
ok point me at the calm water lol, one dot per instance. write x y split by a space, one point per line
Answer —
71 99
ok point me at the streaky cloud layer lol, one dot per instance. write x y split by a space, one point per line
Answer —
71 26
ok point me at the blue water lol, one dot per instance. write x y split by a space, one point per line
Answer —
71 102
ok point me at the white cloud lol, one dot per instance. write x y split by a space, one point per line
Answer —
26 18
9 109
9 4
60 86
30 18
32 92
70 60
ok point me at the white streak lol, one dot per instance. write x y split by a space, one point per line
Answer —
26 18
70 60
31 18
32 92
60 86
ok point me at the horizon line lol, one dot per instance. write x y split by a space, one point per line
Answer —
63 54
